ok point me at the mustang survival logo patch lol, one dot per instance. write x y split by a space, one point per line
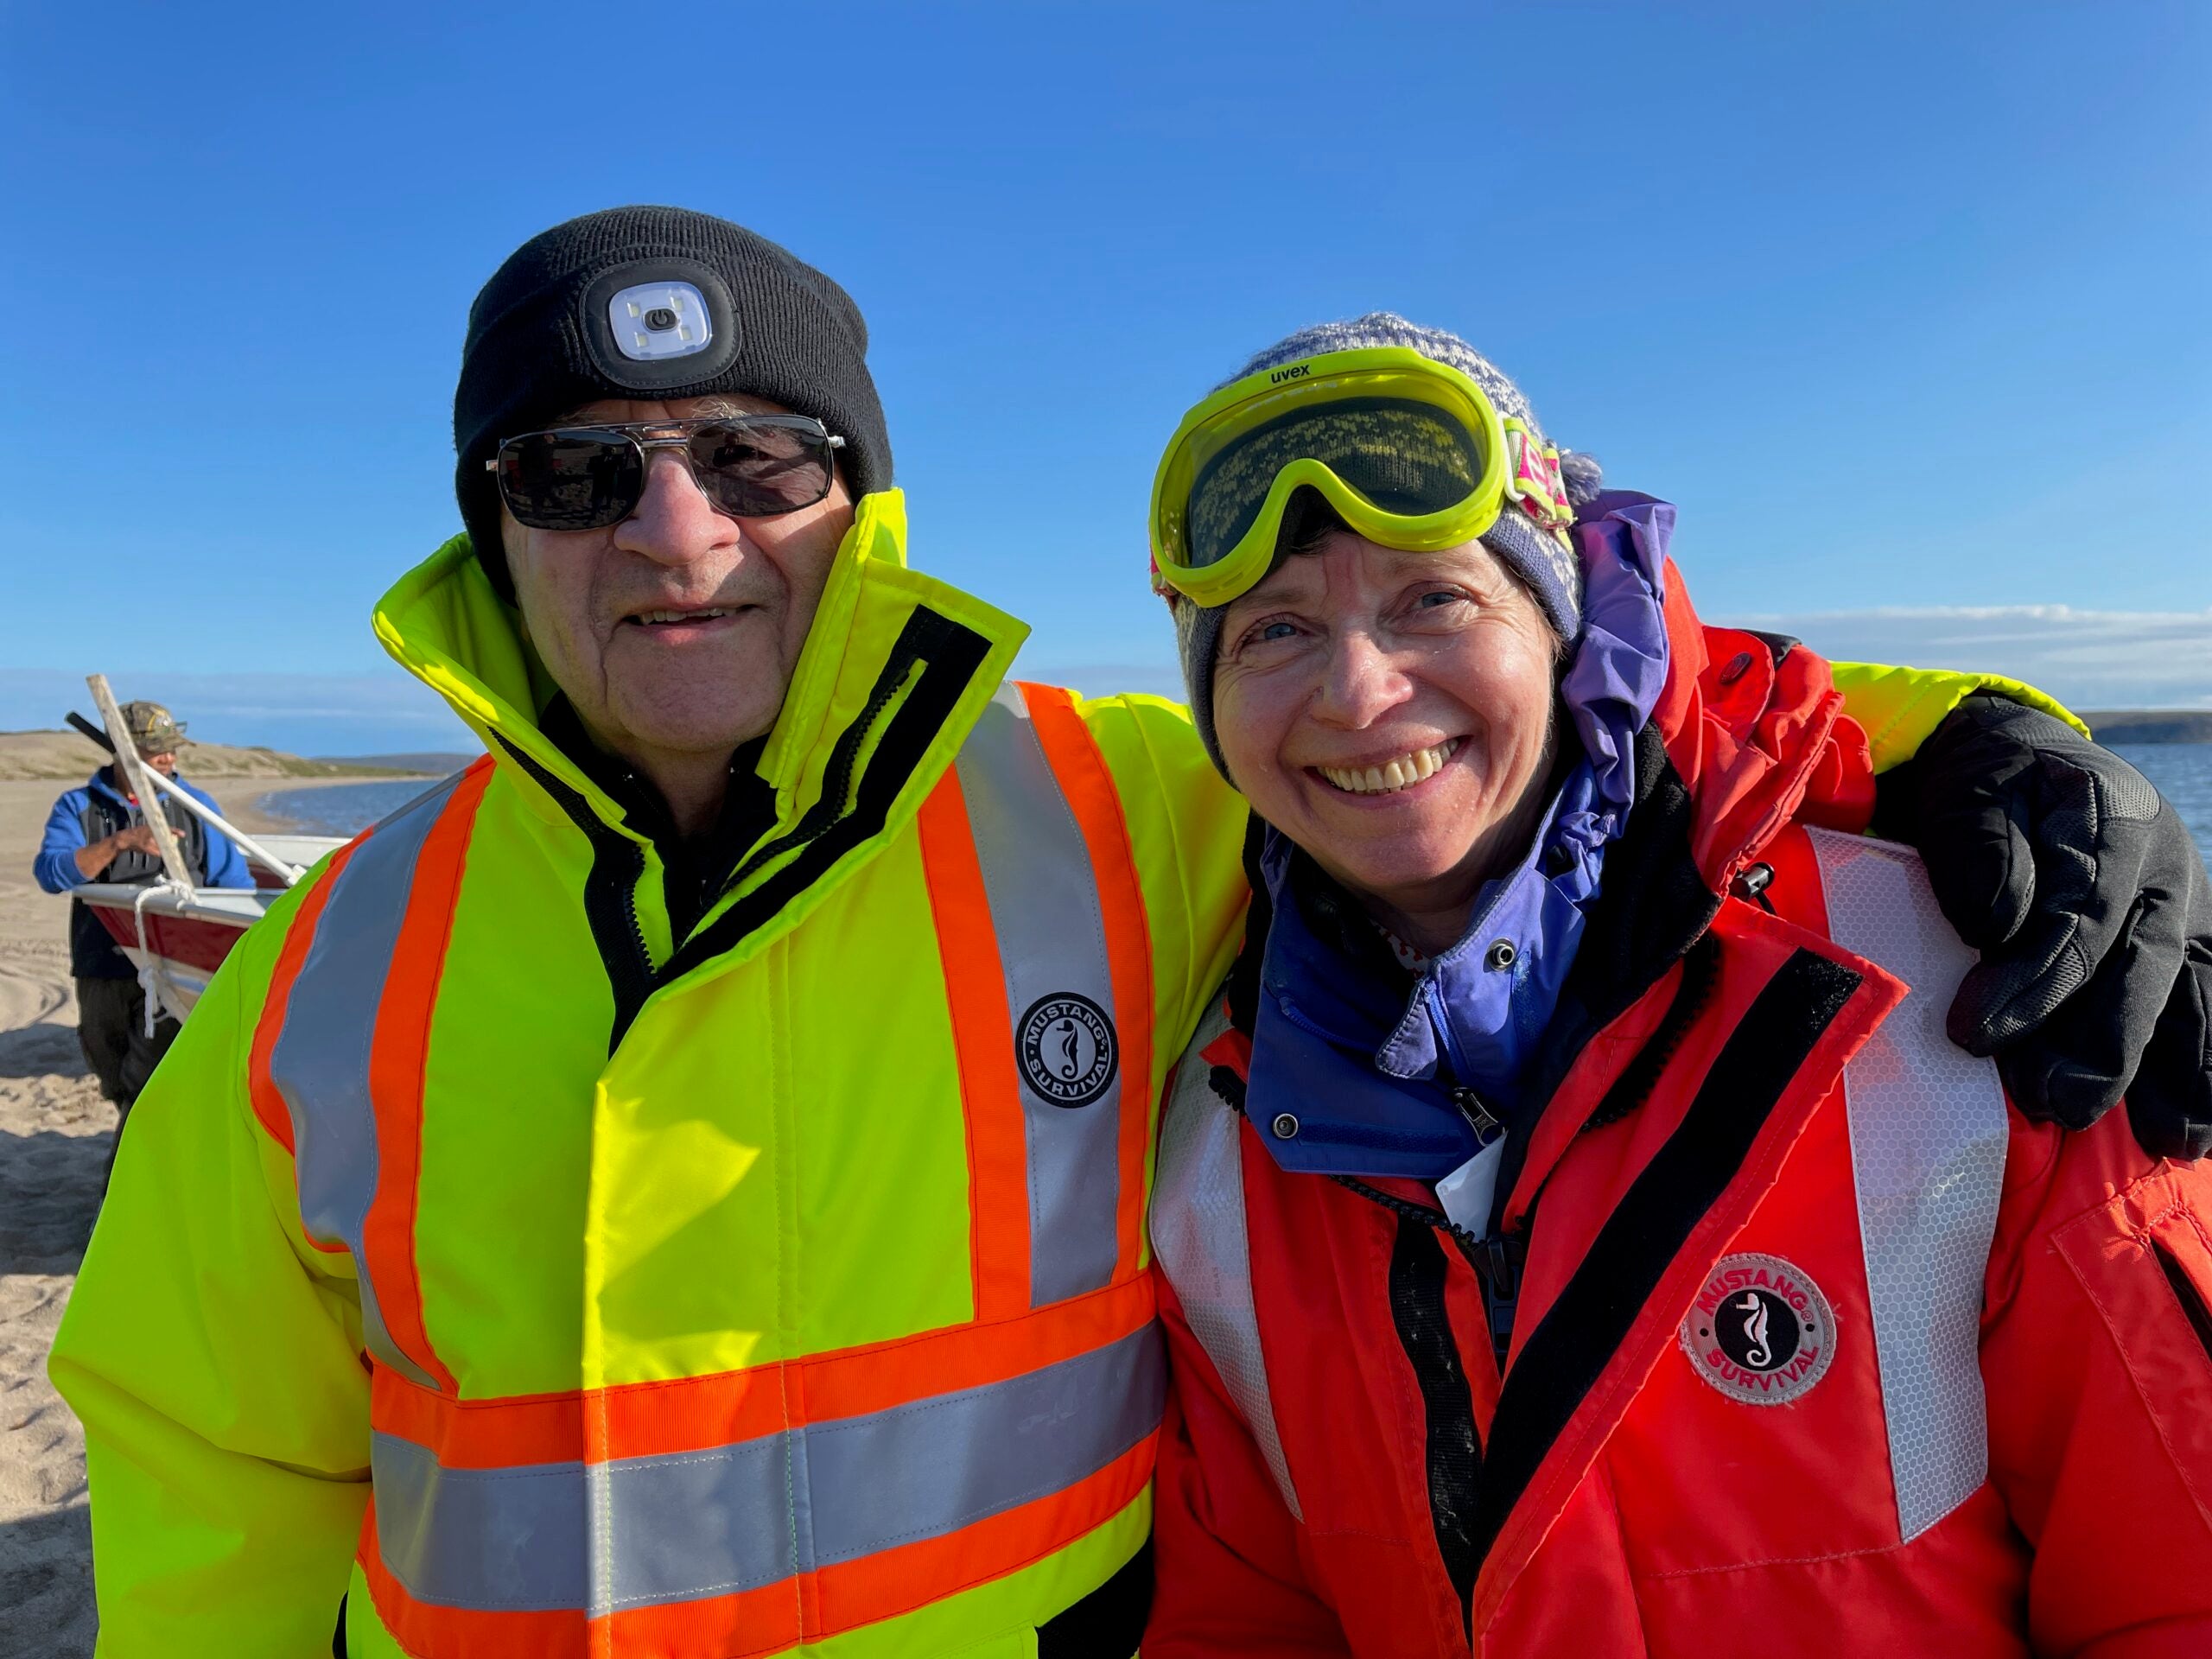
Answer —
1067 1049
1760 1331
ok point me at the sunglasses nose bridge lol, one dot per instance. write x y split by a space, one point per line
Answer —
687 462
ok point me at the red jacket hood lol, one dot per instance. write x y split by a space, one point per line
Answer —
1754 725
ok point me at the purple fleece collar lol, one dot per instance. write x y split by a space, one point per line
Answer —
1362 1065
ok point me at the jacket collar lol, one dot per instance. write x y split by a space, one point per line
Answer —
444 625
104 782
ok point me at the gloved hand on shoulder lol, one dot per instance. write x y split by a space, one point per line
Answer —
2086 896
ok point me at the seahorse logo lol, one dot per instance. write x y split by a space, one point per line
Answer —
1760 1329
1068 1050
1758 1354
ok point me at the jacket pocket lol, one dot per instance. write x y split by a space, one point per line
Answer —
2186 1293
2144 1258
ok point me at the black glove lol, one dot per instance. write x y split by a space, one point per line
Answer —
2078 884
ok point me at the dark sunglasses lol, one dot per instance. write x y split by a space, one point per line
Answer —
588 477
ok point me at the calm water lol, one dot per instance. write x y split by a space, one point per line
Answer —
342 809
2182 771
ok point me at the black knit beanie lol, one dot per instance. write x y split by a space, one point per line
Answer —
605 306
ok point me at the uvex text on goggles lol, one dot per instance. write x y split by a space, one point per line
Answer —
588 477
1410 452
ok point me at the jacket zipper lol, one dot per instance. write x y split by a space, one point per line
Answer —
1498 1260
1452 1456
1451 1448
618 864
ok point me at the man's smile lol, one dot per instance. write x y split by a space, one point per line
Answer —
672 625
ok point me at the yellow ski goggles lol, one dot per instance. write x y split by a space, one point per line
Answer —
1409 451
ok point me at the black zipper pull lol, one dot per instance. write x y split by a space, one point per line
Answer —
1499 1269
1472 1107
1752 885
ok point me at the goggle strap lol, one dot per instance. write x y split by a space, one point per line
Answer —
1532 480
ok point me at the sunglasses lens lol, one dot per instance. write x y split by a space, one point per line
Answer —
1405 456
758 469
570 480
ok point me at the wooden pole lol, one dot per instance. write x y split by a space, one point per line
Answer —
139 774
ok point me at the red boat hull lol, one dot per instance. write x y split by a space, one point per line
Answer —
190 940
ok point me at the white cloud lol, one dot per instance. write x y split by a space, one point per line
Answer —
2088 659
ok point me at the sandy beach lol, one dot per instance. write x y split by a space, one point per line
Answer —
55 1135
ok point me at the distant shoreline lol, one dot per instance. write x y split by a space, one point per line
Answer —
69 756
2149 725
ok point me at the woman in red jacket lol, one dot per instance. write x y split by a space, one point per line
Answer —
1580 1237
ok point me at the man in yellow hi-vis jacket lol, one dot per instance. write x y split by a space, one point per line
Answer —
678 1188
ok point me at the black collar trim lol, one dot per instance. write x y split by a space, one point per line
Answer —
1582 1330
949 655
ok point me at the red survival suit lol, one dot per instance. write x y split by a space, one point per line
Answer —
1813 1345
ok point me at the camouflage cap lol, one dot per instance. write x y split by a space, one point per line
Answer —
152 728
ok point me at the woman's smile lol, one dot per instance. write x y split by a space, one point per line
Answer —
1394 776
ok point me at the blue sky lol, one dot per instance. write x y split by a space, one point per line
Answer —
1905 305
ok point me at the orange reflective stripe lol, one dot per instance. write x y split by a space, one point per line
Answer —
771 1620
395 1062
1072 753
268 1106
859 1380
879 1542
498 1433
699 1413
983 1038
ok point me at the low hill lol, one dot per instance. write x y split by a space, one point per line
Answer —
69 756
434 763
2150 725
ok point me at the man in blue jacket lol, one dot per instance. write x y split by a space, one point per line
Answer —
97 834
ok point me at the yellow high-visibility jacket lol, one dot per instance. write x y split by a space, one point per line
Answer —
536 1283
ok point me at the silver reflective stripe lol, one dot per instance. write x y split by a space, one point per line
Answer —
640 1531
931 1468
1052 940
499 1540
1198 1237
694 1523
707 1523
1928 1139
321 1061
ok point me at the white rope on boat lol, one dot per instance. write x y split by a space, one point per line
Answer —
156 985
